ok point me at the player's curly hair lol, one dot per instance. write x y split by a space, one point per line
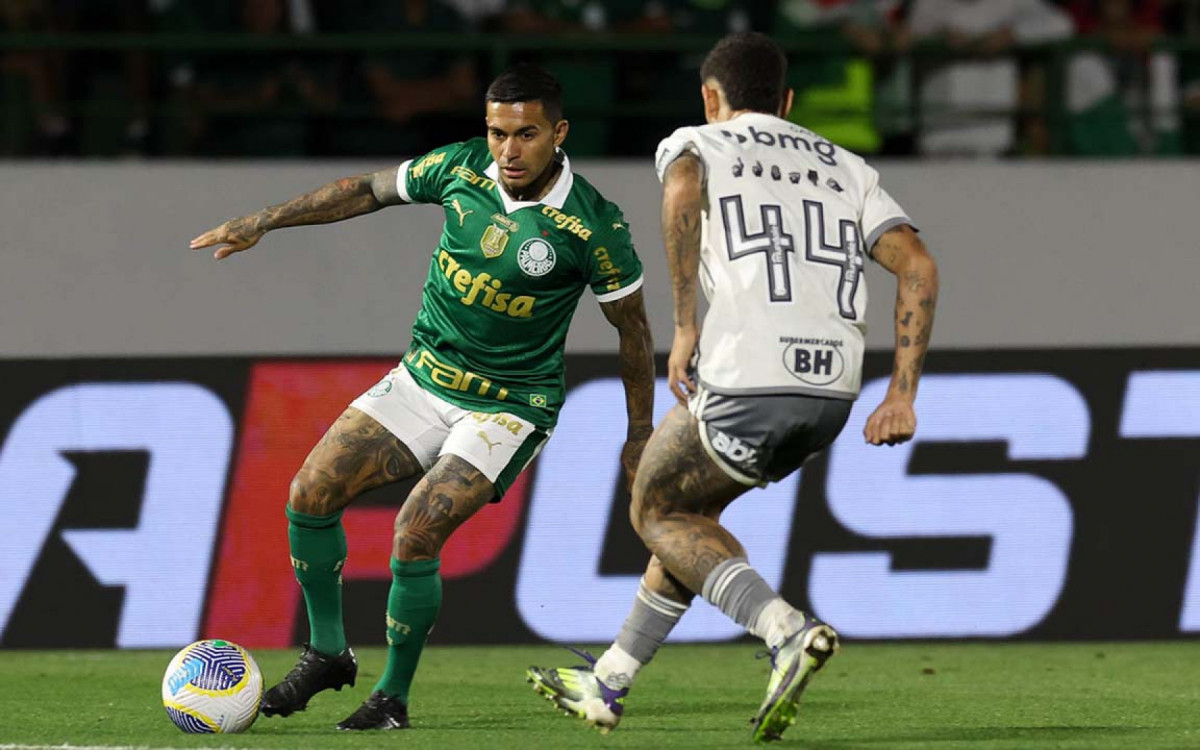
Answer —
750 68
526 82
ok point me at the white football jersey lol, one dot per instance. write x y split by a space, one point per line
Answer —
788 219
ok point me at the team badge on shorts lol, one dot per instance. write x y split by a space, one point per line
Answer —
536 257
382 388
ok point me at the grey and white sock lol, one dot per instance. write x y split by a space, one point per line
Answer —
735 588
650 621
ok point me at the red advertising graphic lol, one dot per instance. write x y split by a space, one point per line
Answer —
288 408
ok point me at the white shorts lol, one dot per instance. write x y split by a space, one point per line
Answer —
499 444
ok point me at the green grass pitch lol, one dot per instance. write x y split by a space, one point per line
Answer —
1143 695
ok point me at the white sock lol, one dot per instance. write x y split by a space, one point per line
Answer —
616 668
776 621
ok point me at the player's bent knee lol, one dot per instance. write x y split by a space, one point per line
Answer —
312 496
641 485
298 494
635 516
640 505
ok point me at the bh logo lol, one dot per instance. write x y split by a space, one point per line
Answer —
814 364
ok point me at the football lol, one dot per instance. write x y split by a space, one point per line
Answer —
212 687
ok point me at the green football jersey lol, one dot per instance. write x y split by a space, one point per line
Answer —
505 280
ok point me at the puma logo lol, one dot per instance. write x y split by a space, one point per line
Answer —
459 209
483 436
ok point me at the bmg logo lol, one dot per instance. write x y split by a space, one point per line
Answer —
814 364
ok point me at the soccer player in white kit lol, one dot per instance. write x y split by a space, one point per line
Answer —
773 222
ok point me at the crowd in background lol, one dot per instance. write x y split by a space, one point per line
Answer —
891 77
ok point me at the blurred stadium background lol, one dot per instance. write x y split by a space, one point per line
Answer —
155 404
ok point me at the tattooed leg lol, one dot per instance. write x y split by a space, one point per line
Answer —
678 496
677 499
662 599
355 455
448 495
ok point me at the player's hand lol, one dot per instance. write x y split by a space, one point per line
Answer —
631 453
893 422
680 361
233 237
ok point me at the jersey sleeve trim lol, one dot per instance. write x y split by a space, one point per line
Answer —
624 291
885 226
402 181
674 147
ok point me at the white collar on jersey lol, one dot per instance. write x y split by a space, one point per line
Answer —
555 198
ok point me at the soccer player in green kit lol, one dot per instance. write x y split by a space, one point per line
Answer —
478 392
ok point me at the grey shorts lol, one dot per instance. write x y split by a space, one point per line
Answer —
761 439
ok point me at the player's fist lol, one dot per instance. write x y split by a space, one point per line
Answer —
893 422
232 237
679 362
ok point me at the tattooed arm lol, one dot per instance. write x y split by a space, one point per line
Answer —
343 199
683 200
628 314
903 253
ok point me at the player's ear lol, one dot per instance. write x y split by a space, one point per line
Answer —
789 96
560 132
712 102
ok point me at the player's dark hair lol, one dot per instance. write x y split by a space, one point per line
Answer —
750 68
526 82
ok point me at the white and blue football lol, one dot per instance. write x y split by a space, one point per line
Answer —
212 687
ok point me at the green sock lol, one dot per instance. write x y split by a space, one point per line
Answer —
318 553
413 605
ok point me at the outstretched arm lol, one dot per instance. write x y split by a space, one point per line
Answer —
683 201
903 253
628 314
343 199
